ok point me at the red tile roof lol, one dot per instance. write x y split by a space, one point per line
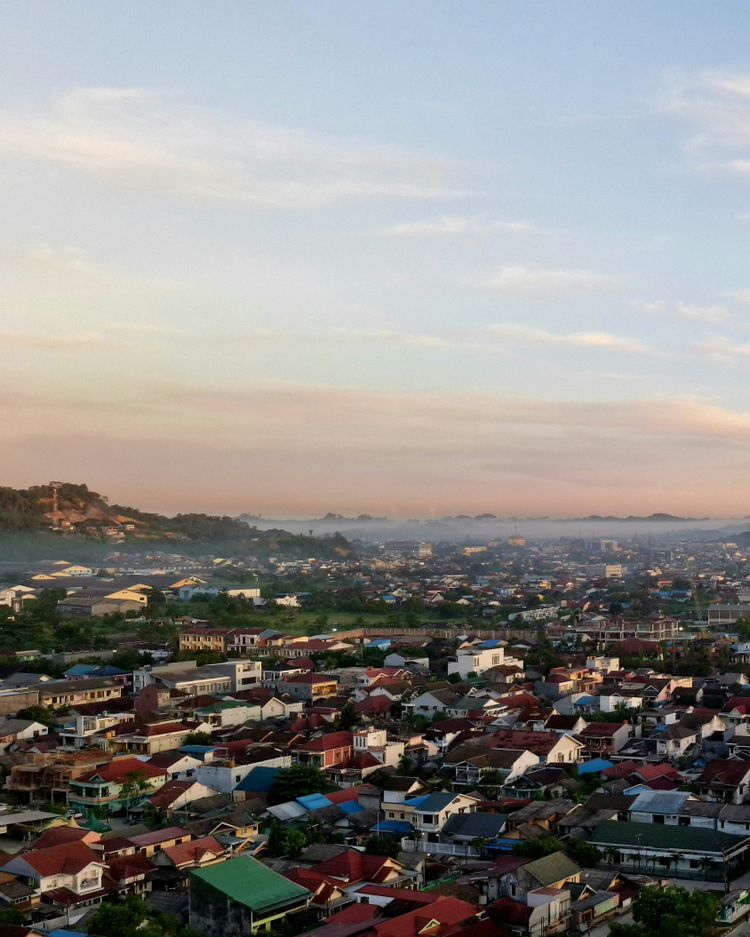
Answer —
601 729
57 860
61 835
118 771
160 836
193 852
355 866
326 743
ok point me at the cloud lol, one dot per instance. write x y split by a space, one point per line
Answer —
522 280
717 104
347 335
739 296
721 348
529 335
455 225
138 137
406 452
686 311
81 341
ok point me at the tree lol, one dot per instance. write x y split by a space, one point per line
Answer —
133 788
296 782
382 846
671 910
582 853
131 916
348 717
543 845
116 919
198 738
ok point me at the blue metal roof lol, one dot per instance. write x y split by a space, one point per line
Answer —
314 802
416 801
259 780
594 766
432 803
395 827
350 806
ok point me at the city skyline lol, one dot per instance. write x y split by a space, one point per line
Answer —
397 259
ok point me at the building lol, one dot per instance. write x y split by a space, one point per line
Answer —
242 896
115 786
307 686
611 630
325 751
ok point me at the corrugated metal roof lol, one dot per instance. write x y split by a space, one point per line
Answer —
661 802
314 802
288 811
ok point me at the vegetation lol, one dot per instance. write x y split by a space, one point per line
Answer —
298 781
382 846
671 910
26 518
131 916
584 854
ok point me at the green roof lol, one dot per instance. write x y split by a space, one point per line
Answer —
552 868
250 883
664 836
220 706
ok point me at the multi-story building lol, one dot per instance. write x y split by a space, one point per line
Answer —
610 630
47 777
115 786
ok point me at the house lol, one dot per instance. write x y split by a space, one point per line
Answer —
553 871
430 702
468 827
550 747
19 730
242 896
324 751
193 854
603 739
115 786
151 843
154 738
71 873
308 687
468 763
353 868
176 795
474 661
654 848
723 779
432 811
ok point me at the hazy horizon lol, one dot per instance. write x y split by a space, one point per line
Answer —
406 259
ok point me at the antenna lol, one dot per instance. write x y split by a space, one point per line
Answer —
55 486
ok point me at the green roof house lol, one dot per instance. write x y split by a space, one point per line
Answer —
241 897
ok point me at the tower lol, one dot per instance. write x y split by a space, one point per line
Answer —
55 486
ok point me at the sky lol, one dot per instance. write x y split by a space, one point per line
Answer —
405 258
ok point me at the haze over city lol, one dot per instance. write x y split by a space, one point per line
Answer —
407 259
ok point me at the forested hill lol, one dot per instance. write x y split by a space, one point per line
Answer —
82 515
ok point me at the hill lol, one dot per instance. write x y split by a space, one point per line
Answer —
45 513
